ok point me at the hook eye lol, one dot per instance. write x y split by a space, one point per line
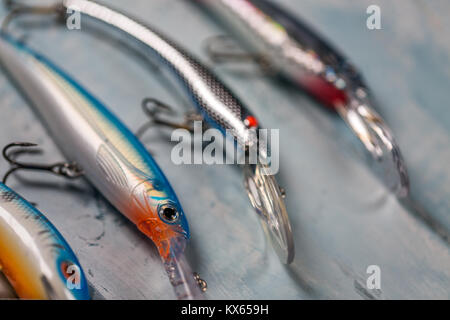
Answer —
152 106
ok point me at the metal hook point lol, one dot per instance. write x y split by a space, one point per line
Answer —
153 108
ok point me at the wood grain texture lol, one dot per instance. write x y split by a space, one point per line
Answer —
343 218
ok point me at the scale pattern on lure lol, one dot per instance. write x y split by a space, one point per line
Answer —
34 256
111 157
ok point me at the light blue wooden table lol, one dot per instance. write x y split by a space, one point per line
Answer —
343 218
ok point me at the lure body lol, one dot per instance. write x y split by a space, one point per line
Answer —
298 53
111 157
34 256
214 100
218 106
291 48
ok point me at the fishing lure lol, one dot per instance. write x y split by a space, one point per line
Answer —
288 47
108 154
34 257
218 107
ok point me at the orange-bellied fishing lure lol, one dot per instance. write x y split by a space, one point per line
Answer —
34 256
110 156
217 105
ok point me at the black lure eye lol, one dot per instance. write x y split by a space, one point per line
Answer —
169 213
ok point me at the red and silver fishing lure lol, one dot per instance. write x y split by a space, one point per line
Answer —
291 49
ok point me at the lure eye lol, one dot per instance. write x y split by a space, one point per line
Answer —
169 213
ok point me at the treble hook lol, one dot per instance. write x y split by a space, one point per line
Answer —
17 8
153 108
64 169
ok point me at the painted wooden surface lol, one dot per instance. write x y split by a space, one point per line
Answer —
343 218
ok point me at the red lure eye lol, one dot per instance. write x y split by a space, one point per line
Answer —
251 122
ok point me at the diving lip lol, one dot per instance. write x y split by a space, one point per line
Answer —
267 199
180 273
379 142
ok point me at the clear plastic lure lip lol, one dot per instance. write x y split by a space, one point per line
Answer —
267 199
181 277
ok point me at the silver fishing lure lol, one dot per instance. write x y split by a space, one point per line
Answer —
108 154
288 47
34 257
218 106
